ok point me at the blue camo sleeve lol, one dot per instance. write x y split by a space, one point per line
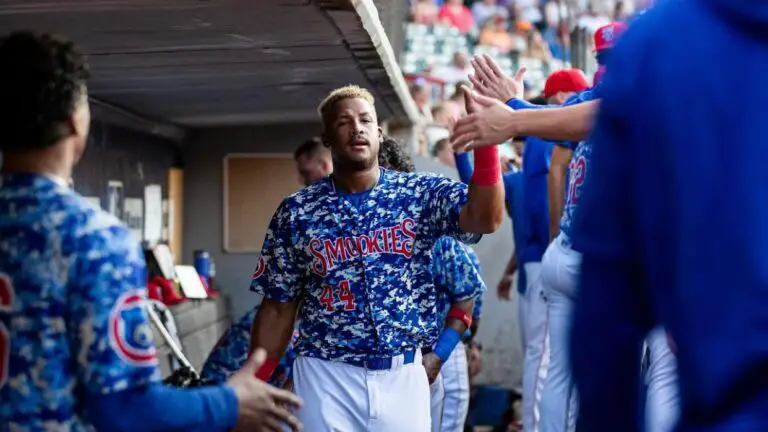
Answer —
478 309
231 352
444 199
278 276
454 269
109 329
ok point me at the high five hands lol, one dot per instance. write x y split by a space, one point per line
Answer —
489 120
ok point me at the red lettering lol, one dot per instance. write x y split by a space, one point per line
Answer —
407 226
385 235
578 173
319 264
259 268
397 247
335 252
361 245
6 305
373 242
352 249
326 298
345 295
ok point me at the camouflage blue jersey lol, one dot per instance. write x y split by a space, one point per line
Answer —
231 352
72 287
457 276
365 272
577 171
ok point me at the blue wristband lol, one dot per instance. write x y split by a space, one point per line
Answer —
446 343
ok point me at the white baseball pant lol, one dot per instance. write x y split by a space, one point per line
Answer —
436 400
533 318
455 398
342 397
662 409
561 266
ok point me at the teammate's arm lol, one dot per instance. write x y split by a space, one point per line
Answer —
456 274
278 277
484 210
110 337
272 330
495 122
558 173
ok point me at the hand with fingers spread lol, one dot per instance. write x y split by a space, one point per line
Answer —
489 80
262 407
486 124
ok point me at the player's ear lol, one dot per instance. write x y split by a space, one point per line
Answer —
381 135
324 139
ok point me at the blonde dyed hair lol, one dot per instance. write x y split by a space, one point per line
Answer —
327 106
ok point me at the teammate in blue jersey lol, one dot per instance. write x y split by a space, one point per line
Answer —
456 272
356 247
75 343
673 242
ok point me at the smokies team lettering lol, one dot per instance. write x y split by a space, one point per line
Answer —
397 239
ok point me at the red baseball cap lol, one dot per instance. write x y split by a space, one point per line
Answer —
607 35
565 80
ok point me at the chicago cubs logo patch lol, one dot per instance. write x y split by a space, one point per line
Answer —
259 268
129 333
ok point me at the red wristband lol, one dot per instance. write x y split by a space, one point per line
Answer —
487 166
461 315
265 371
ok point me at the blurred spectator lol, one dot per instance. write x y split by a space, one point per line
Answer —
420 95
425 12
593 18
458 70
528 10
442 115
456 101
443 153
623 10
558 16
455 14
537 47
495 34
520 35
483 10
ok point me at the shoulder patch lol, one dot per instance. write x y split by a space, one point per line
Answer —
130 335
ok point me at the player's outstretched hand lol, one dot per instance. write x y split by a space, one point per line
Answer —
432 365
489 80
262 407
486 124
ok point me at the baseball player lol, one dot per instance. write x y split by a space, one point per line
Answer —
456 272
677 244
313 161
76 350
357 247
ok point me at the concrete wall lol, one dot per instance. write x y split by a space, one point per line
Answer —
202 159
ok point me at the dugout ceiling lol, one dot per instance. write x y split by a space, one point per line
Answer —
198 63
